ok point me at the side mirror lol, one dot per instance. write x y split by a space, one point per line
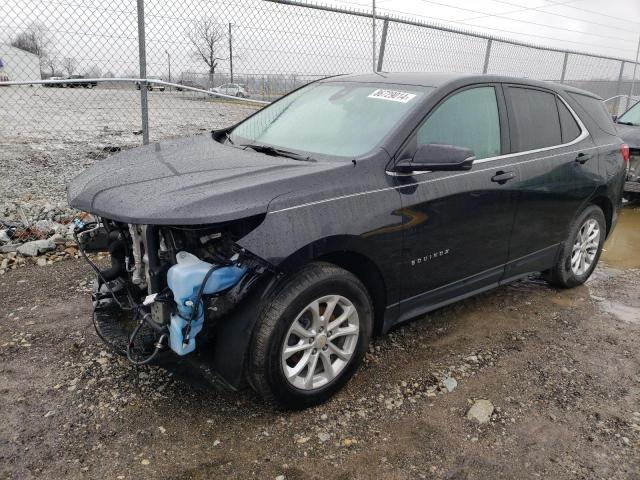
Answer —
434 157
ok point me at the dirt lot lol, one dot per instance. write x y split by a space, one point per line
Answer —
561 367
49 135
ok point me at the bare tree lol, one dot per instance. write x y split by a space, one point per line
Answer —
51 62
35 39
93 71
207 39
69 64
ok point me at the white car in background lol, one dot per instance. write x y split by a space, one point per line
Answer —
151 85
232 89
56 85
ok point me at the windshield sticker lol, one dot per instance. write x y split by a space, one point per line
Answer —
393 95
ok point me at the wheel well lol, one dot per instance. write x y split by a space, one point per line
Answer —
605 204
368 273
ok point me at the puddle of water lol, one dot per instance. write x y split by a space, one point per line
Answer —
622 248
626 313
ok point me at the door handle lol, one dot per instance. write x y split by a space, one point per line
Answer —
503 177
582 158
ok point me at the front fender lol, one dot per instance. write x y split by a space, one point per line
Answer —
369 223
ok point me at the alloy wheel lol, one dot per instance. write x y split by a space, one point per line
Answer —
320 342
585 247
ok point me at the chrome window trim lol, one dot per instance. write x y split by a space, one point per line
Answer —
584 133
397 187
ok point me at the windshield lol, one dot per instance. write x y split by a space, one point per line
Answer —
343 119
631 116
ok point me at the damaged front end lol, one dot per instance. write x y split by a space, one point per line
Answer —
167 285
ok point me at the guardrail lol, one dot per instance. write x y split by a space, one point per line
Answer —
141 81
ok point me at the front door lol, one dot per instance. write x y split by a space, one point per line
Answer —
458 224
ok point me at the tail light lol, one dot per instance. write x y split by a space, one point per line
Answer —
624 150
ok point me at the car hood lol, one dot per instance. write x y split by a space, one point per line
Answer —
194 180
630 134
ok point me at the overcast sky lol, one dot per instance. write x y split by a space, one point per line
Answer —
270 38
609 27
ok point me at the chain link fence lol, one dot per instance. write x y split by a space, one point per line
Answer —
80 70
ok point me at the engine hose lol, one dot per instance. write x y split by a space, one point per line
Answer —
102 337
98 272
196 305
117 251
134 334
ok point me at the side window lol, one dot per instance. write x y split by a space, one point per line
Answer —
534 118
570 129
466 119
596 110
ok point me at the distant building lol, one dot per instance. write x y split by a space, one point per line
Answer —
18 65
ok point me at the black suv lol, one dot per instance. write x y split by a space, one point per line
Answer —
350 205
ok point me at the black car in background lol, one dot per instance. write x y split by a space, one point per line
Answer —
349 206
80 84
189 83
628 126
75 84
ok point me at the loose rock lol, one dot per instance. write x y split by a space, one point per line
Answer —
450 384
480 411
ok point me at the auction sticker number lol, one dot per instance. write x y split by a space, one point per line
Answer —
393 95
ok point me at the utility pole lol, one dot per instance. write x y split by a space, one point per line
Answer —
633 80
230 54
169 64
373 29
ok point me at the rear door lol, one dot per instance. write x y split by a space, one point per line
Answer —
559 168
457 224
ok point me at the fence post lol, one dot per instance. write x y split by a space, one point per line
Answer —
487 54
618 88
383 43
633 79
142 53
230 53
564 67
373 33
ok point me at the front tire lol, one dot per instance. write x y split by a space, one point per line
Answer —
311 337
579 255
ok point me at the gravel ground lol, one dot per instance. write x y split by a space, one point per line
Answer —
560 369
553 375
57 133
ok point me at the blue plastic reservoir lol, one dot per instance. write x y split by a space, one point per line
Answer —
184 279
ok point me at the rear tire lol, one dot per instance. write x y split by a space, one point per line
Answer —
580 253
327 352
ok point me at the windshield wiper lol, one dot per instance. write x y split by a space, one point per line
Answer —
627 123
228 136
278 152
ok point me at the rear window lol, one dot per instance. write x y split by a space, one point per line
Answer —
534 118
596 110
568 124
